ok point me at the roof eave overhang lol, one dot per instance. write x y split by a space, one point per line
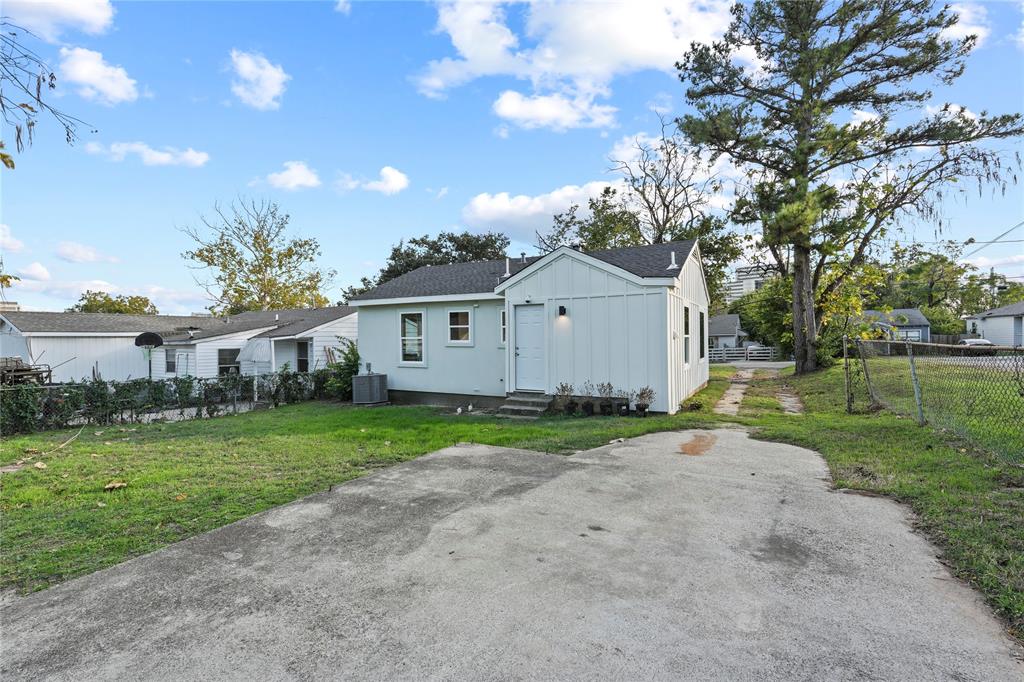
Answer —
668 280
409 300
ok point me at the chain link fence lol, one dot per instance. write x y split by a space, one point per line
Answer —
974 391
26 408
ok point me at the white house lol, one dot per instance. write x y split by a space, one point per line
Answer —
82 345
1002 326
257 343
633 317
79 346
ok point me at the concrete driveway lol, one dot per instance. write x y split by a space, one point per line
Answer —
631 561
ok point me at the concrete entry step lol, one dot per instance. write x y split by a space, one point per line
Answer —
525 404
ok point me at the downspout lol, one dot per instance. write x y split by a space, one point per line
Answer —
273 359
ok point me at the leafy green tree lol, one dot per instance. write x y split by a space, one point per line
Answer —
252 263
826 128
102 302
446 248
609 225
943 320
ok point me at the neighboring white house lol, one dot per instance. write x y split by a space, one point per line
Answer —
724 331
82 345
633 317
1002 326
257 343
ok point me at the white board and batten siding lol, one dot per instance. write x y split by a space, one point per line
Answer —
73 358
614 330
686 378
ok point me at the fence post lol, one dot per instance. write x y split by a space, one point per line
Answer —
917 386
867 376
255 383
846 375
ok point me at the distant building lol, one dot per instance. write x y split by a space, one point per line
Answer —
724 331
905 324
1002 326
9 307
747 279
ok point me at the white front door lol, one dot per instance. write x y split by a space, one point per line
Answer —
529 348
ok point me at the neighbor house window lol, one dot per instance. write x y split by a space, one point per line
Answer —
411 329
700 330
459 327
302 356
686 334
170 361
503 315
227 361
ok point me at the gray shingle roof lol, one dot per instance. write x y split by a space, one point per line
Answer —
105 322
285 322
1012 310
900 317
724 325
483 276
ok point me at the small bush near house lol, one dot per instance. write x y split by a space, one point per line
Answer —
339 374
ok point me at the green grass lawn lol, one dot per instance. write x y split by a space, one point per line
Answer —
968 501
189 477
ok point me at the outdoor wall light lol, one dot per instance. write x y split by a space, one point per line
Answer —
561 310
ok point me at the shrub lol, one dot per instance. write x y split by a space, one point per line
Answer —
20 408
339 380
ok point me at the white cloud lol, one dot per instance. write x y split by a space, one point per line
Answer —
73 252
96 79
48 18
8 243
441 193
296 175
860 116
950 110
984 262
391 181
260 84
35 271
343 6
973 21
522 215
167 156
574 50
555 111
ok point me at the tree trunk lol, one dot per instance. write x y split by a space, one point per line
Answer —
805 330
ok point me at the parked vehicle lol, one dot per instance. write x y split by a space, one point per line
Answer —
975 342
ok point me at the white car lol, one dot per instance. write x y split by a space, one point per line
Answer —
975 342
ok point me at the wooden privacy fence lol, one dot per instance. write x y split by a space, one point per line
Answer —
755 353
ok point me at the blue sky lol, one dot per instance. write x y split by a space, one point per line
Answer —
368 123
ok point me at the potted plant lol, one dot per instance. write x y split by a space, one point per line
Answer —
644 398
606 391
564 393
588 399
625 398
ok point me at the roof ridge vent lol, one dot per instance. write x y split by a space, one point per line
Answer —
508 267
673 265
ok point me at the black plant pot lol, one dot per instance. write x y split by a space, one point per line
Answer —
641 410
607 409
570 408
623 409
588 409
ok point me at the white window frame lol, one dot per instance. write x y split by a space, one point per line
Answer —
168 354
702 331
300 344
686 336
449 326
422 337
237 364
503 327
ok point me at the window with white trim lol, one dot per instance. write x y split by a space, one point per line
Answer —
170 361
686 334
459 327
302 356
503 321
411 330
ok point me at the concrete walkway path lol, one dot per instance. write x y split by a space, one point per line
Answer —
693 555
730 401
